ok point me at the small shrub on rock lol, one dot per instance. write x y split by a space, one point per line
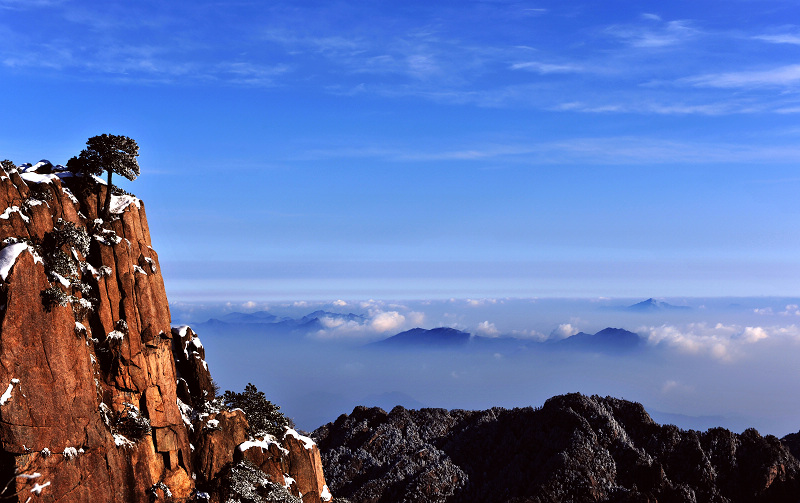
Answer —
8 165
67 233
40 191
82 307
130 423
245 483
62 264
54 296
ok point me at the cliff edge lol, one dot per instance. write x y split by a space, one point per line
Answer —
102 400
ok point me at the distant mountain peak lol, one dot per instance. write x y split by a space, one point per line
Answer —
443 337
652 304
316 315
608 339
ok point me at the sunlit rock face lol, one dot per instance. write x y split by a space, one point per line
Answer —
574 448
102 400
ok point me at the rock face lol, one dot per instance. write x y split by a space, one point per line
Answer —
101 399
575 448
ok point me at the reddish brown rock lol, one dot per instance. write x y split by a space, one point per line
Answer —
305 466
190 359
218 438
269 456
60 375
89 407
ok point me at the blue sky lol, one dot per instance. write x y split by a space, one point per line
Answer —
324 150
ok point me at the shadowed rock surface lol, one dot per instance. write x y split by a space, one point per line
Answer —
574 448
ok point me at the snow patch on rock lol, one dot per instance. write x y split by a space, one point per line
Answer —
119 203
307 442
14 209
7 395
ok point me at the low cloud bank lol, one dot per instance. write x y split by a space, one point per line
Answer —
720 341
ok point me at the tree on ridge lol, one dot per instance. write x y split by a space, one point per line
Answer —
112 153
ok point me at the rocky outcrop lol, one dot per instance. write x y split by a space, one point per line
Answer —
103 400
575 448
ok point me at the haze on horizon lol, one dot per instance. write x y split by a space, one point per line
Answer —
727 362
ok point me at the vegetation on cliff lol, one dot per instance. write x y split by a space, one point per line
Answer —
263 416
110 153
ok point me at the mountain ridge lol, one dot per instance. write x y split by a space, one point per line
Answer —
574 448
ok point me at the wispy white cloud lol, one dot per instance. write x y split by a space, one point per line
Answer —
545 68
601 150
535 11
296 43
248 74
665 34
783 76
422 66
432 61
142 63
657 108
29 4
784 38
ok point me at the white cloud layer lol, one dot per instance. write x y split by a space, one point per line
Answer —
387 321
721 342
487 329
564 330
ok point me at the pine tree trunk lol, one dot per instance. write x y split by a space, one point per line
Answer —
107 204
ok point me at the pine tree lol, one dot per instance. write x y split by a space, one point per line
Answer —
109 152
264 416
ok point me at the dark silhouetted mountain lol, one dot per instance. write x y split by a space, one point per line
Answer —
257 317
502 344
651 304
442 337
316 315
792 442
573 449
267 324
391 399
607 340
266 317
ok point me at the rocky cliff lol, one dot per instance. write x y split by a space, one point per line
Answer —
102 400
573 449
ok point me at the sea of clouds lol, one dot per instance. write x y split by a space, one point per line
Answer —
720 362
